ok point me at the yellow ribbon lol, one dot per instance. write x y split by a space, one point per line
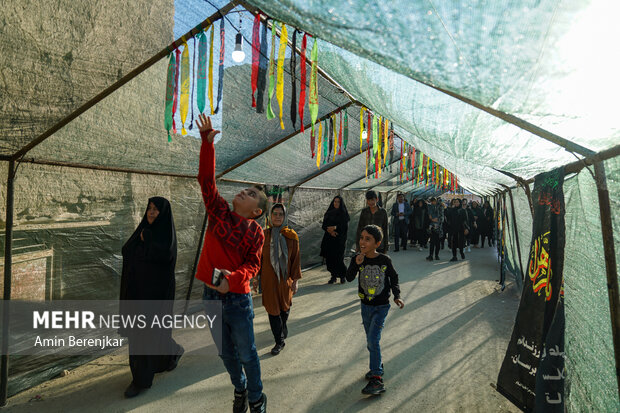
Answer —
184 102
318 146
211 71
280 84
385 142
335 136
379 143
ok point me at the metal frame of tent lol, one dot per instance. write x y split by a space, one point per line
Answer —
590 158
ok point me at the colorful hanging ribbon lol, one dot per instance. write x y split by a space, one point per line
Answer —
346 130
201 76
361 128
220 80
374 144
211 69
177 67
335 135
312 141
302 82
326 146
340 136
255 56
272 72
169 95
280 85
294 80
193 86
313 99
184 103
262 72
385 143
319 145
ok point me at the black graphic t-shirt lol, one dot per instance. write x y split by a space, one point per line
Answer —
376 278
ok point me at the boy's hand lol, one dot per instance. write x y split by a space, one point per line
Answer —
204 125
359 259
223 288
294 287
400 303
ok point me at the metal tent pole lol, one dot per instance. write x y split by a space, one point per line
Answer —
8 241
196 258
610 260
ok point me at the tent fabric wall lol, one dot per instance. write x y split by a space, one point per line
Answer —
591 378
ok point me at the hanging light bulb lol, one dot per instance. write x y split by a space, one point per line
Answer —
238 55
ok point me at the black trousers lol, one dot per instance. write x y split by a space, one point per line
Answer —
400 233
457 240
435 244
278 326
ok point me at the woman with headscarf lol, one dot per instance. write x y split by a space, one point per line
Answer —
149 258
457 227
280 271
487 223
335 225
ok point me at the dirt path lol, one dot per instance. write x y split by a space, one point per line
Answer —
441 352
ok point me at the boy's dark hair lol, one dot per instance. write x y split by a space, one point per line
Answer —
371 195
262 200
375 231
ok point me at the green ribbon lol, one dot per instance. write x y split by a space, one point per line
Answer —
313 99
201 75
272 72
169 95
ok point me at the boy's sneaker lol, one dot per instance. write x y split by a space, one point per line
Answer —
259 406
374 386
240 405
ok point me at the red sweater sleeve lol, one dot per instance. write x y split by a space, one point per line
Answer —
238 279
206 177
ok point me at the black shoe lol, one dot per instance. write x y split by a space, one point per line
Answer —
132 390
343 280
240 405
175 360
259 406
462 255
453 259
429 258
277 348
396 250
405 248
331 280
374 386
437 257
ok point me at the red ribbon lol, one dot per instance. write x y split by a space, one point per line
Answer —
176 88
302 92
255 56
340 136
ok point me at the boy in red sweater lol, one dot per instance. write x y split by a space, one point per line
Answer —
233 244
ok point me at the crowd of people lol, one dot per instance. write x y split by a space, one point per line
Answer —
237 249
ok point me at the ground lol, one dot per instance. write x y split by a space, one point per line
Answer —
441 352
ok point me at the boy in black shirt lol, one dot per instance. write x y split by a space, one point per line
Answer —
377 278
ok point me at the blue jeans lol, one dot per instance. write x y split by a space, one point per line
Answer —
238 348
373 317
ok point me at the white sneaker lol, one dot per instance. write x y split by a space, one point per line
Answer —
468 249
419 248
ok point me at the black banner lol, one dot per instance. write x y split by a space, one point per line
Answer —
532 374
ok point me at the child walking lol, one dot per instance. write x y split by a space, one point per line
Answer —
376 278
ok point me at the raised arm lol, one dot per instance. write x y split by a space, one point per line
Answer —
206 168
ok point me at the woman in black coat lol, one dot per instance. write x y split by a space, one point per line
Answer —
488 222
335 225
457 227
149 258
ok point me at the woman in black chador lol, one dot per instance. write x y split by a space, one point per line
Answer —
335 225
149 258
